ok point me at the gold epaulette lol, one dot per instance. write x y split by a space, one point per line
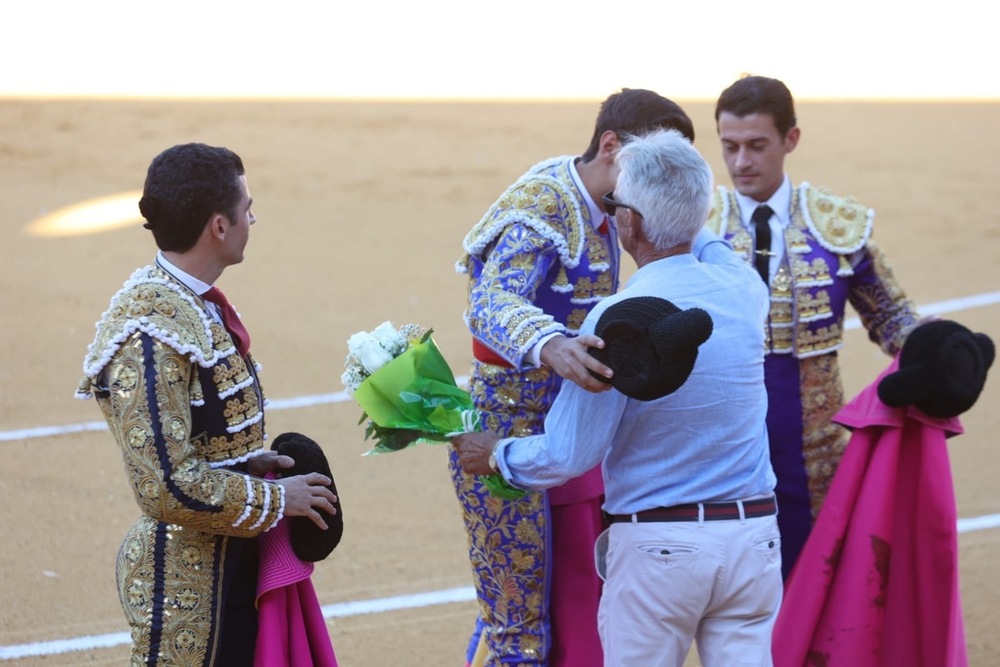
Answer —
542 199
151 302
840 224
718 214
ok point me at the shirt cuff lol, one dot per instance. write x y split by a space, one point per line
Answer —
535 354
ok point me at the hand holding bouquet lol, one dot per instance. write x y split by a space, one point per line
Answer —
408 393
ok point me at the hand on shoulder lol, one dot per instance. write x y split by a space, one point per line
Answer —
571 360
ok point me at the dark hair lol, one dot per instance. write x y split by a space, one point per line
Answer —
185 186
635 111
759 94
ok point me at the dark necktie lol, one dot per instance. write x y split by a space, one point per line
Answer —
603 227
762 253
231 319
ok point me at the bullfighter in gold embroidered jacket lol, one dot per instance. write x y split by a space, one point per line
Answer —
819 258
181 397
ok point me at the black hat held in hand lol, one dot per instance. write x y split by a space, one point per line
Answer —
650 344
942 370
309 542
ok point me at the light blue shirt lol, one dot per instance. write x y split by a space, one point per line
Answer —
705 442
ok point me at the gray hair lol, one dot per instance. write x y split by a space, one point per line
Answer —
668 181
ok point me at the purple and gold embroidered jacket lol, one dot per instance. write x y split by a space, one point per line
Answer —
829 260
536 263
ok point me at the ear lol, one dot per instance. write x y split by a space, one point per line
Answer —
218 225
609 145
792 139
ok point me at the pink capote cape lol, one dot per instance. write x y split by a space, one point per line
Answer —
291 628
877 582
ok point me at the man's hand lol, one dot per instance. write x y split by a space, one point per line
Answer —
569 358
474 451
305 494
268 461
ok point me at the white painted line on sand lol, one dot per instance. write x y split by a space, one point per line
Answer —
338 610
341 609
940 308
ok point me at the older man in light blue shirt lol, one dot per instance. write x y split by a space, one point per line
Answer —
693 551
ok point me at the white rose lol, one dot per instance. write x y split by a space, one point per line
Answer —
355 342
368 351
389 338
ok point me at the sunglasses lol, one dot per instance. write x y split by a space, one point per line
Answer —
612 204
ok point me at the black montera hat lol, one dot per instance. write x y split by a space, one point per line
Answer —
650 344
309 542
942 369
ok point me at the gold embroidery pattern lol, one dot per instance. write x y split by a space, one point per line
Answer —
816 272
153 301
506 291
576 318
781 314
779 340
187 623
507 545
840 224
586 287
235 446
812 307
597 248
188 553
815 341
796 240
221 492
544 199
229 371
823 441
561 283
883 308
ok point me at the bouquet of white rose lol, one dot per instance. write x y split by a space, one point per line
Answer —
408 393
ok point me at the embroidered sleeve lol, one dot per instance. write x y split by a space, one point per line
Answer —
502 311
885 312
149 414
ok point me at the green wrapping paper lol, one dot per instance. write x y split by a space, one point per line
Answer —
414 398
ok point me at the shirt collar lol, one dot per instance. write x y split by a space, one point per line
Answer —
675 261
596 214
194 284
780 202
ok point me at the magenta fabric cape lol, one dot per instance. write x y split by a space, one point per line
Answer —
291 628
877 582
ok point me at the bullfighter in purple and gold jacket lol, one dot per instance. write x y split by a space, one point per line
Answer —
815 251
537 262
829 261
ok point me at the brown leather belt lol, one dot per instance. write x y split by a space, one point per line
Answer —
705 511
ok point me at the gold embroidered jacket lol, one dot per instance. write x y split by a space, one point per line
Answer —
829 260
187 413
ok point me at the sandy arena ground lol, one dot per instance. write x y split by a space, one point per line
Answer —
361 208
